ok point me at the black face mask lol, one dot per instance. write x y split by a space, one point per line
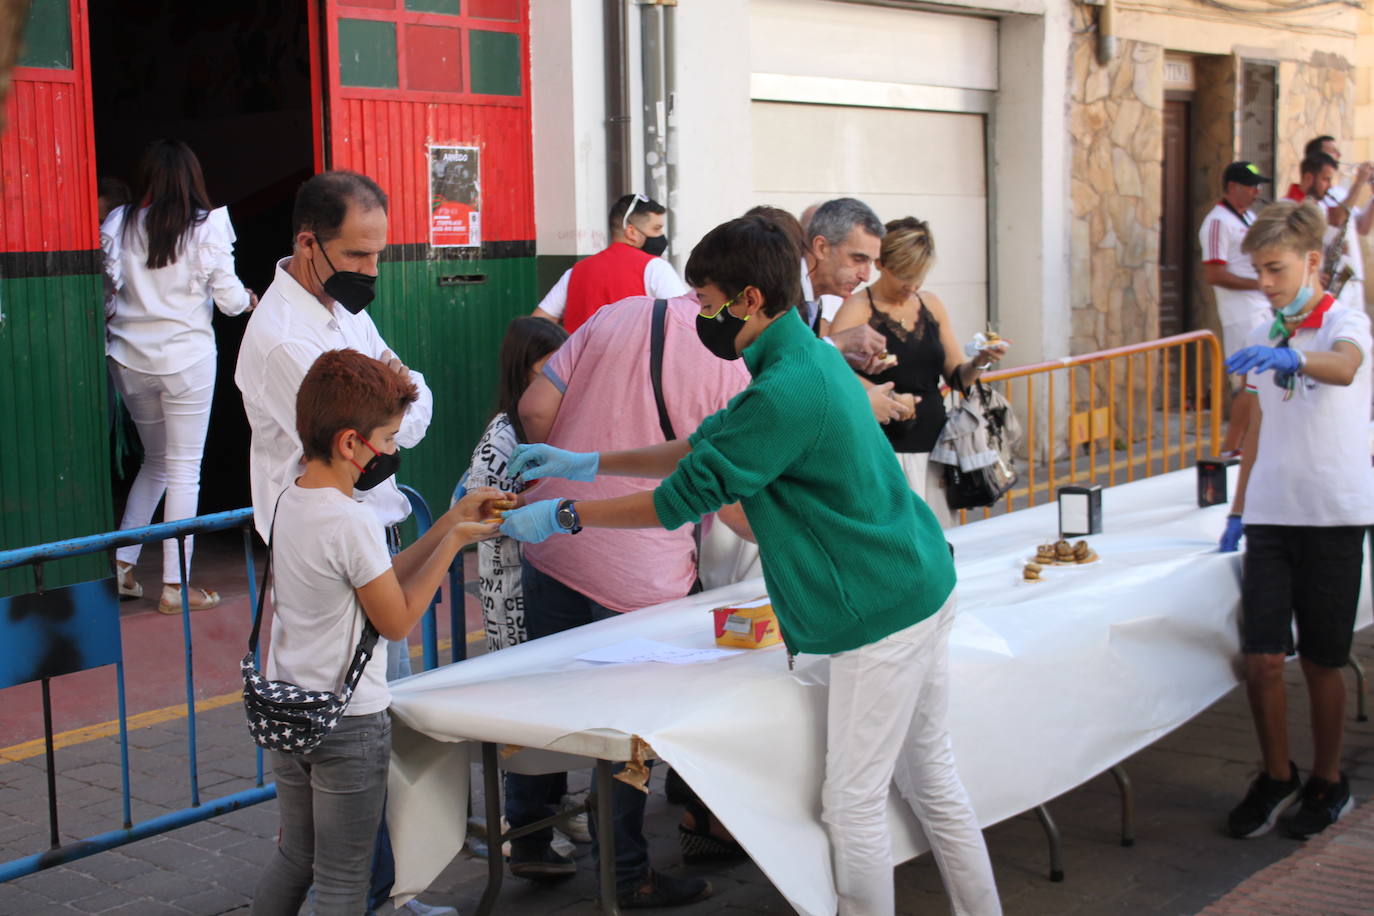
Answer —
379 468
353 290
718 334
655 244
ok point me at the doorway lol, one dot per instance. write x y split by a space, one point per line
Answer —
1175 236
234 82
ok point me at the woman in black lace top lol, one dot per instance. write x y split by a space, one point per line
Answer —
919 334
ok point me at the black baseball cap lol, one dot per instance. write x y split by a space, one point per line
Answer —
1245 173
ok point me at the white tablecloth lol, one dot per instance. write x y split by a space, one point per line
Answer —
1053 682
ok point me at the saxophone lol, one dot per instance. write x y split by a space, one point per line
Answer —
1333 255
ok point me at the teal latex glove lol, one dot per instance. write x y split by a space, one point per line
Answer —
531 462
533 523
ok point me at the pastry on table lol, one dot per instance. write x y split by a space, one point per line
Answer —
1044 554
1082 553
1063 552
1032 572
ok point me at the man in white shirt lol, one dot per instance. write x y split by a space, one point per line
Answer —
1240 304
317 302
341 224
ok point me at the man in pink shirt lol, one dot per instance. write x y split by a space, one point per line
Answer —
596 393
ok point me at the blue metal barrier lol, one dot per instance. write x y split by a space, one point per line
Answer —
62 631
82 621
429 625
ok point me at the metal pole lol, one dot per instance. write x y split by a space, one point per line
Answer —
670 92
654 108
190 674
616 33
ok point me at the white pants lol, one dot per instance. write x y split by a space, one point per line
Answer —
886 723
927 479
172 413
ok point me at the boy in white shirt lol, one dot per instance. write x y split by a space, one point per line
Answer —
331 572
1304 500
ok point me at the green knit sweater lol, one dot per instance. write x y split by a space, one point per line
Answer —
850 554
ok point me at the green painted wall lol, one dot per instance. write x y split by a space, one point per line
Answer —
54 458
453 335
548 268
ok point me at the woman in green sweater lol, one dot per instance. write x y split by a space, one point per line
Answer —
856 565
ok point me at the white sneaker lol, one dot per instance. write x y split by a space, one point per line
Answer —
575 829
416 908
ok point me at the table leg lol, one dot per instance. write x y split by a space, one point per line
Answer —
496 839
1123 782
1360 715
1056 846
605 835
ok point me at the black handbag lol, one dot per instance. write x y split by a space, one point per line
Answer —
282 716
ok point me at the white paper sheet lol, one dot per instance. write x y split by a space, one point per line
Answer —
639 650
1050 686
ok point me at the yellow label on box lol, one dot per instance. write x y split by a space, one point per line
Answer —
751 625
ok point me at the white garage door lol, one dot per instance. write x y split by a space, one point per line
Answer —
901 163
888 106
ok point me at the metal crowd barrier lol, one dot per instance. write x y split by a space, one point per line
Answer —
1140 404
52 632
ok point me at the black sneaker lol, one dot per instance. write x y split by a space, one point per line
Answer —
660 890
1266 800
540 864
1322 805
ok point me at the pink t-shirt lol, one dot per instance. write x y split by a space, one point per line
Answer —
608 405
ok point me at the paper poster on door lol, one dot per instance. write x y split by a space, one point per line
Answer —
455 197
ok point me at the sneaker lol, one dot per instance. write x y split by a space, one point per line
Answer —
1266 800
660 890
416 908
575 828
1322 805
541 864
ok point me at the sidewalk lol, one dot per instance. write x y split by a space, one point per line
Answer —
1180 864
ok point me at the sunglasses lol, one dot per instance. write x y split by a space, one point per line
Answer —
638 199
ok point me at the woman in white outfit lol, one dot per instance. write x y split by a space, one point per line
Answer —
169 258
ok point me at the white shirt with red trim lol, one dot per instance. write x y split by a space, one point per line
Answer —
1221 235
1312 466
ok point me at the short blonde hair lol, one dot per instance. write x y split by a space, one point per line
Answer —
908 248
1295 226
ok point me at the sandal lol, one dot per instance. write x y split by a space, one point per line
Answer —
202 602
699 844
124 581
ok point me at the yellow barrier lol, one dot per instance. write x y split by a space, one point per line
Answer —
1143 399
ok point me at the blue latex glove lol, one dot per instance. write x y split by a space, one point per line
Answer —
530 462
533 523
1230 538
1262 359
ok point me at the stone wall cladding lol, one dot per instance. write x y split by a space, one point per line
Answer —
1116 123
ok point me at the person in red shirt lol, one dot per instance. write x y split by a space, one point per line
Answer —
629 266
1316 175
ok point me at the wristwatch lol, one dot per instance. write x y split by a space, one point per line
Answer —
567 517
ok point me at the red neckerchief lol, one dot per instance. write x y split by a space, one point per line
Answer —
1315 317
1295 193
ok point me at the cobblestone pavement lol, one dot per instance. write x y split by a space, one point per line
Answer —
1180 863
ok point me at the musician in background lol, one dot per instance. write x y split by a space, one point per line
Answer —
1240 304
1344 259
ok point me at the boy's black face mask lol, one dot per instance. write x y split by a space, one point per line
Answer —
718 334
351 289
381 466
